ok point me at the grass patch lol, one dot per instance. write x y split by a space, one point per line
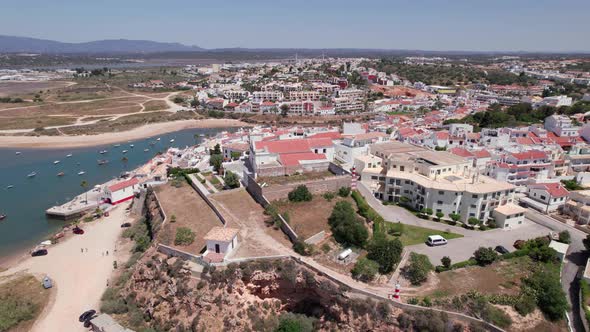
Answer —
410 235
21 301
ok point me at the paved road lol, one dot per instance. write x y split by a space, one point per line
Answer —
574 261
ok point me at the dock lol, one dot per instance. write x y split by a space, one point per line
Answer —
77 206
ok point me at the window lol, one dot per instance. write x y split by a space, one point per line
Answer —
398 182
407 181
402 168
440 192
439 202
374 177
542 197
474 196
473 206
324 150
438 210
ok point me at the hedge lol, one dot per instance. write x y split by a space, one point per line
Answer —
585 289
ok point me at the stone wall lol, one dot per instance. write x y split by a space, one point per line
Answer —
319 186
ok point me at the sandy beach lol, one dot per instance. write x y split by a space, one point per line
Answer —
79 278
56 142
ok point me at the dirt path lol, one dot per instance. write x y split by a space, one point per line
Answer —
79 278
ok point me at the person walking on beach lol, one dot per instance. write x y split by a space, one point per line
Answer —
81 249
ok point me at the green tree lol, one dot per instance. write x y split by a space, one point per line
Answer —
284 109
473 221
345 226
365 269
418 268
446 261
439 216
231 180
551 298
485 256
454 217
387 253
290 322
344 191
565 237
216 160
300 194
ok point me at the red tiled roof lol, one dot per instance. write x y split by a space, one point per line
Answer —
554 189
461 152
330 134
293 159
481 154
123 184
293 145
532 154
442 135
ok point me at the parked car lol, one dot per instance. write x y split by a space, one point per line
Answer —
86 315
78 230
436 240
125 225
39 252
501 249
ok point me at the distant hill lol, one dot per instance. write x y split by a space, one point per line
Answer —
12 44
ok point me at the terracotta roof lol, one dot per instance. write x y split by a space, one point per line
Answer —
222 234
554 189
123 184
532 154
330 134
481 154
293 145
442 135
237 146
461 152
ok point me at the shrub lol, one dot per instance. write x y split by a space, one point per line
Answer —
345 226
290 322
526 304
365 269
231 180
300 194
496 316
485 256
446 261
418 268
454 216
184 236
551 298
173 218
439 215
387 253
302 248
565 237
329 196
216 160
326 248
473 221
344 191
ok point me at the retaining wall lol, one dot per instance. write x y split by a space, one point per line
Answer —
318 186
204 193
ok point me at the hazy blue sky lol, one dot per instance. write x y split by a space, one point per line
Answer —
529 25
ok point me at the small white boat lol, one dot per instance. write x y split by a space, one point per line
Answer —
32 174
132 146
56 162
172 140
61 174
9 186
81 173
146 150
124 151
69 155
117 145
158 139
201 135
17 153
103 152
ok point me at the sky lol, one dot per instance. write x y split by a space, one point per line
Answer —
439 25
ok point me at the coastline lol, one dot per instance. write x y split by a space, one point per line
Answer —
145 131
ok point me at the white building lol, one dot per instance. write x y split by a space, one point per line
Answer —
509 216
122 191
221 241
546 197
561 126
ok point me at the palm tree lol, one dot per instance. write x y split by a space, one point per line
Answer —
84 185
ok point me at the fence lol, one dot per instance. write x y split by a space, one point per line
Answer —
204 193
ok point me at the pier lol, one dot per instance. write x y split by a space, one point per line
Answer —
77 206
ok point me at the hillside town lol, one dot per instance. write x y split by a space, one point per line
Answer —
350 182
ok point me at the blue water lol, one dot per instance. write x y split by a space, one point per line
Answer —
25 204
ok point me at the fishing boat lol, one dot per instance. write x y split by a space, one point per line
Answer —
158 139
103 152
2 216
81 173
17 153
124 151
103 161
117 145
132 146
32 174
146 150
172 140
69 155
9 186
61 174
56 162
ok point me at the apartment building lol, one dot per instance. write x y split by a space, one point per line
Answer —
561 126
437 180
357 145
236 94
546 197
304 95
260 96
346 104
578 206
351 93
521 168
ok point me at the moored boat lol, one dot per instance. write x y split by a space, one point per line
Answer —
81 173
32 174
61 174
56 162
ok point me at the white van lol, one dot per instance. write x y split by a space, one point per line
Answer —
436 240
